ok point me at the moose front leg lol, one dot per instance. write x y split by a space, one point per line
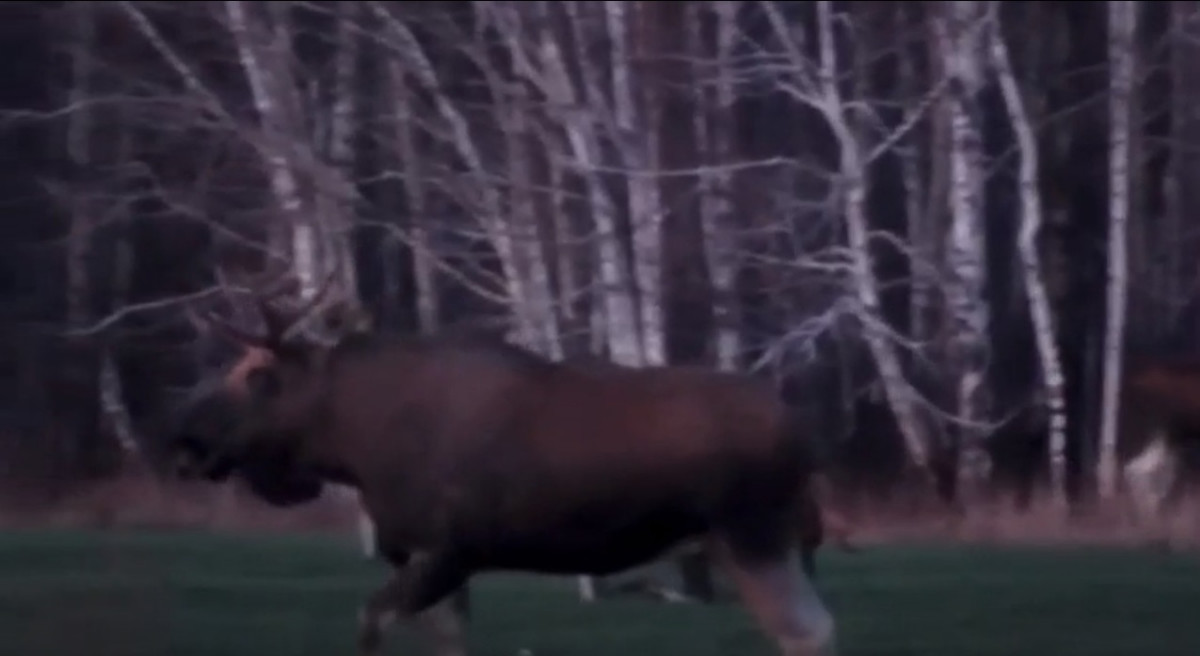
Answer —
421 589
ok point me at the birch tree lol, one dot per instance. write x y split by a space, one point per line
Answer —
959 32
586 140
1031 263
263 39
925 189
1122 22
263 46
713 130
417 193
816 85
1181 184
636 137
483 201
85 218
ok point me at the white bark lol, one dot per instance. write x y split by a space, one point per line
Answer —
715 139
918 211
336 205
267 72
959 35
1032 271
617 288
538 306
637 141
825 96
415 185
570 288
112 392
1122 21
486 199
79 241
548 71
265 87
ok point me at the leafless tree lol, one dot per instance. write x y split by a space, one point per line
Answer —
1033 273
1122 20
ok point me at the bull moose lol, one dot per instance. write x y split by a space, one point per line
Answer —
472 456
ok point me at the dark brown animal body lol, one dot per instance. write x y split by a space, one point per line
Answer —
473 457
1159 436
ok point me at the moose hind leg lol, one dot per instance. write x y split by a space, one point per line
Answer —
781 597
422 590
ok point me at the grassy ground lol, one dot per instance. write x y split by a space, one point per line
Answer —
182 594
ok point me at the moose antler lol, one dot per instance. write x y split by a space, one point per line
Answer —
278 322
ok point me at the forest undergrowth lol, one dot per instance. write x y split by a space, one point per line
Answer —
141 501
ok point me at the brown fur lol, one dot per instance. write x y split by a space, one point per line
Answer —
472 457
1162 398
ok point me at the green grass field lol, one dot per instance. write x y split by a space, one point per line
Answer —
187 594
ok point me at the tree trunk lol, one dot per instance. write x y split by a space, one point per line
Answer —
1039 301
622 327
959 33
80 437
637 141
538 305
715 138
420 235
1122 22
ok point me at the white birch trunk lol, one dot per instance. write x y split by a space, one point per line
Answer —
79 239
539 303
566 250
420 239
1040 309
1122 21
486 202
919 221
540 60
617 288
112 393
337 215
824 95
637 141
865 287
959 35
716 209
264 86
249 41
269 79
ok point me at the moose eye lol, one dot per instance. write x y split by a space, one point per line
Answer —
263 382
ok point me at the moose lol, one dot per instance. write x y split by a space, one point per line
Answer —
473 455
1159 438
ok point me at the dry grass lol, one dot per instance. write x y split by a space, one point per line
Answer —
138 500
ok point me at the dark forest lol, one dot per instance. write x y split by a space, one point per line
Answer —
957 233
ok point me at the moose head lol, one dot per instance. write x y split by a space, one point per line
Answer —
249 419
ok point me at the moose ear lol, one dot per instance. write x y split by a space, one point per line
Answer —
263 383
